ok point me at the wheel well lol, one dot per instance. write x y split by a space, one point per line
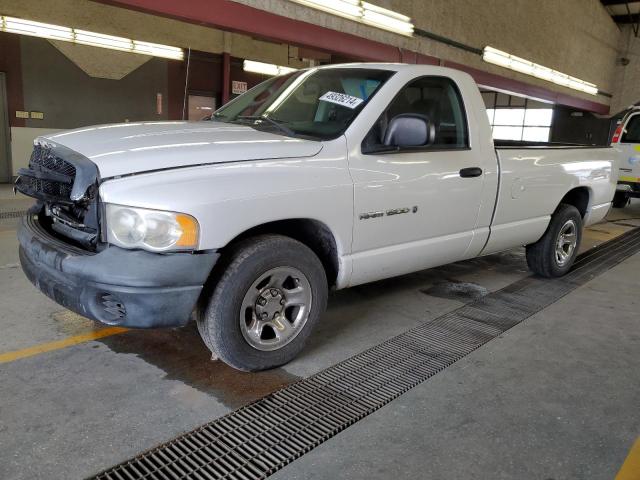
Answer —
579 198
314 234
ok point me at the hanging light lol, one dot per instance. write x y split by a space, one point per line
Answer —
35 29
506 60
265 68
84 37
364 12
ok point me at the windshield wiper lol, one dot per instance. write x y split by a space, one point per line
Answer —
276 123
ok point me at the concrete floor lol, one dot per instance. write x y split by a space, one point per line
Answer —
554 398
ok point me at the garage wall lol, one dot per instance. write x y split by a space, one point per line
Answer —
70 98
110 20
627 77
73 95
577 37
22 144
10 64
47 81
574 36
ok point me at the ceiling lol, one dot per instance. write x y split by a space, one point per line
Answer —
623 11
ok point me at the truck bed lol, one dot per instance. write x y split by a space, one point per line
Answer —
533 180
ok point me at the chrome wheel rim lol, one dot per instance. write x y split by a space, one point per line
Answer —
276 308
566 243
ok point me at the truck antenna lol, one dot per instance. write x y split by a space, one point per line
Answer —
186 84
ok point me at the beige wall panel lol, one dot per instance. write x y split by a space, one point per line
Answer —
576 37
627 84
100 62
22 144
110 20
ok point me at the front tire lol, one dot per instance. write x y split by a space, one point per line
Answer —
267 301
553 255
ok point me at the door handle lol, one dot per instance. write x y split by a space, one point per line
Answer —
470 172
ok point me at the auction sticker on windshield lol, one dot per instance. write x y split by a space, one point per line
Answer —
342 99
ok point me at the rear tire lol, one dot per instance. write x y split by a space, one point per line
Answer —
553 255
620 200
265 304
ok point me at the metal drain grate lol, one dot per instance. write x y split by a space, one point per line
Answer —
16 214
257 440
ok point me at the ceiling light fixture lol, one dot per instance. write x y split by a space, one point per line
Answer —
35 29
364 12
83 37
386 19
506 60
265 68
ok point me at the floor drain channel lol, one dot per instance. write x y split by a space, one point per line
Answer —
17 214
257 440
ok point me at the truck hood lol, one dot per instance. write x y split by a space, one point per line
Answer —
129 148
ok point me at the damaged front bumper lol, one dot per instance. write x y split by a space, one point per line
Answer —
130 288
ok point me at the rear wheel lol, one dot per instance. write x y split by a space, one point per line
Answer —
266 303
620 200
554 254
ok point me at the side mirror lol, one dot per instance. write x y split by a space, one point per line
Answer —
409 130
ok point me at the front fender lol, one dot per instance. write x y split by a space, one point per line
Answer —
228 199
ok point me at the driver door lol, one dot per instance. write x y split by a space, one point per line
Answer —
415 208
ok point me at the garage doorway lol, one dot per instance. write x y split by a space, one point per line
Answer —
5 134
200 106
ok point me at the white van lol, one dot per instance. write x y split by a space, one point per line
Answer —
626 139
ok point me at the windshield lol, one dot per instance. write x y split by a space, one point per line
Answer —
316 103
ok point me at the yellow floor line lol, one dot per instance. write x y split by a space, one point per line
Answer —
631 467
58 344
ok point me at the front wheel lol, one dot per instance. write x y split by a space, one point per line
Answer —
554 254
268 299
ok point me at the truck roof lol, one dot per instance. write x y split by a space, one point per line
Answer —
396 67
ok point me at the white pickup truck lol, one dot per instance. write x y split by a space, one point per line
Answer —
322 178
626 140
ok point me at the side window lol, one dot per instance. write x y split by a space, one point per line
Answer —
632 130
437 98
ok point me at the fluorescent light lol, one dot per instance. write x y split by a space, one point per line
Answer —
494 57
343 8
523 66
36 29
384 11
387 23
157 50
544 73
364 12
265 68
104 41
561 79
504 59
83 37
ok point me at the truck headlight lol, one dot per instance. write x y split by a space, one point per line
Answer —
154 230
